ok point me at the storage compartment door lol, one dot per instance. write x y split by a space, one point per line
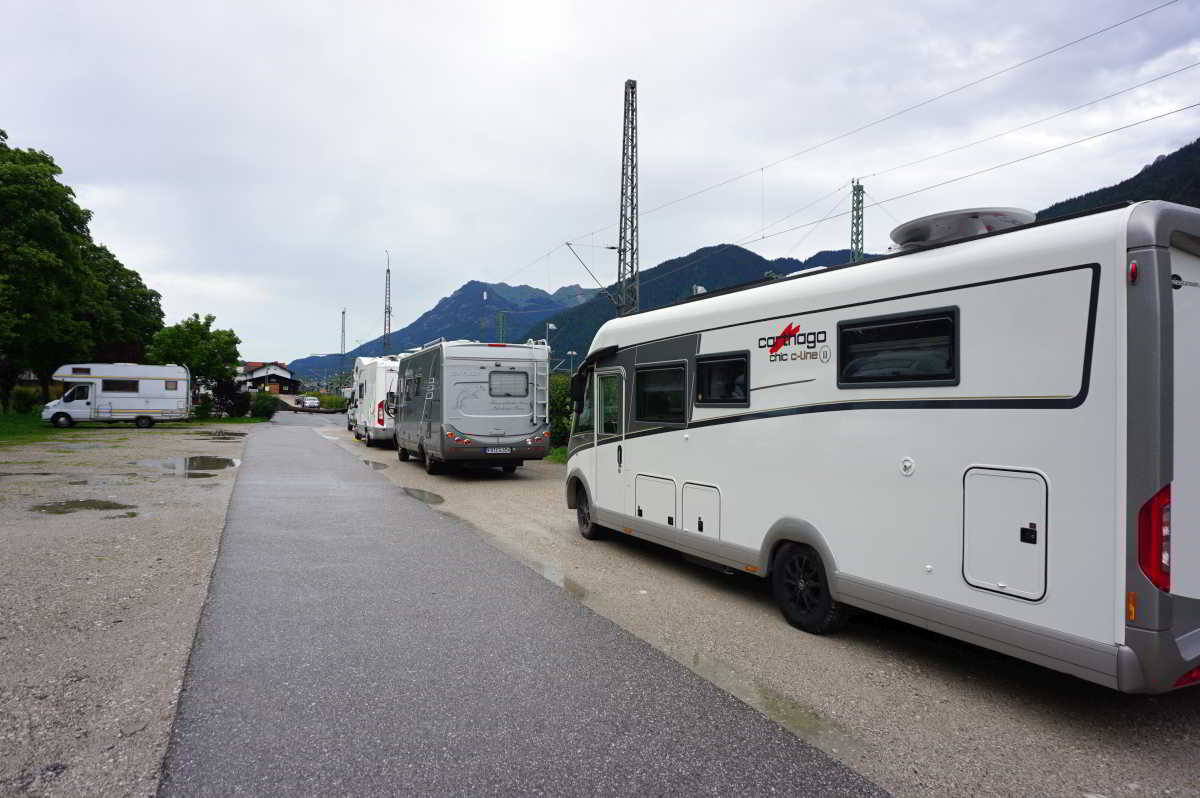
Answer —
1185 485
702 510
654 499
1004 531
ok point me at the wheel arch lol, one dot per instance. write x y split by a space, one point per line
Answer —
576 480
797 530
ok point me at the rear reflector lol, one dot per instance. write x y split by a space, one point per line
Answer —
1191 677
1154 539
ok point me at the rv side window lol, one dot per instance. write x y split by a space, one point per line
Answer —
81 370
723 380
584 418
171 385
659 394
508 383
610 404
898 350
119 386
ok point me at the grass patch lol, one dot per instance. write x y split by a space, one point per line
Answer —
21 428
557 455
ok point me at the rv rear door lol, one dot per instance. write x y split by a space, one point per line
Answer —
1185 488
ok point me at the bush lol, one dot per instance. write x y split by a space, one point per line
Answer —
204 408
239 405
264 405
560 409
26 398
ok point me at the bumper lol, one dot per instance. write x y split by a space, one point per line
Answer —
1152 661
478 454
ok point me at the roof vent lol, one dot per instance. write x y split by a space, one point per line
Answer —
942 228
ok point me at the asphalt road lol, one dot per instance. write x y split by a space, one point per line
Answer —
356 642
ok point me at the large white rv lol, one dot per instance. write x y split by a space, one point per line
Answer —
993 437
120 392
373 383
472 403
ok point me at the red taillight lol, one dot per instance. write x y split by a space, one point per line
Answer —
1191 677
1133 272
497 344
379 414
1154 539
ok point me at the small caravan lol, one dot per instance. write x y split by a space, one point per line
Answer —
990 434
373 382
120 392
472 403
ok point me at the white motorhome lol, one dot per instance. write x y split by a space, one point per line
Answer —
993 437
472 403
120 392
373 382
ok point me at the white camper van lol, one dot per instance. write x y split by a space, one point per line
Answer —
994 437
472 403
374 379
120 392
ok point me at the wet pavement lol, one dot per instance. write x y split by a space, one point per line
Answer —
357 642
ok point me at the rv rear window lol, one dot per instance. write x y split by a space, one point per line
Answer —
81 370
170 385
899 350
119 386
659 394
508 383
722 380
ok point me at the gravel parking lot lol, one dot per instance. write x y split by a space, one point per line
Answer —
107 540
918 713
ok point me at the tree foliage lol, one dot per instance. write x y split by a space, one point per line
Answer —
62 296
210 355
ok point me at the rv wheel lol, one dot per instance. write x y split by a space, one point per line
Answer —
401 453
583 514
509 469
801 589
143 422
62 420
432 466
366 438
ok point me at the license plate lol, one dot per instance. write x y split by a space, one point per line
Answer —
498 450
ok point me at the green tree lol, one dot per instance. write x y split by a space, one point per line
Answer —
127 313
211 355
560 409
47 289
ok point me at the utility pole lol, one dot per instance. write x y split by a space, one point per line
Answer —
387 305
856 220
500 326
627 240
342 359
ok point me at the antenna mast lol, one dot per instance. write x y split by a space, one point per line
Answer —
342 359
387 305
856 221
627 242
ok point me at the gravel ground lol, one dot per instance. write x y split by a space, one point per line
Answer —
99 602
919 714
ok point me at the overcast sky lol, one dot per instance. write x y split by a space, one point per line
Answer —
254 160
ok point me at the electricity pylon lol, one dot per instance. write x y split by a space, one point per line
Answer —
627 238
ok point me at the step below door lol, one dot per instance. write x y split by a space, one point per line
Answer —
1004 531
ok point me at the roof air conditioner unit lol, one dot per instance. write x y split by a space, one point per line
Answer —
942 228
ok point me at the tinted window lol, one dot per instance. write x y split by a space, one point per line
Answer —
119 386
81 370
610 404
659 394
918 348
171 385
508 383
723 381
583 419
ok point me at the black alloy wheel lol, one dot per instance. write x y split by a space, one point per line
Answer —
509 469
433 466
401 453
583 515
801 588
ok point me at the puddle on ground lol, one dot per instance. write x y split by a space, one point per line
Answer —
122 515
27 474
553 574
74 446
219 434
75 505
426 496
374 466
77 482
194 467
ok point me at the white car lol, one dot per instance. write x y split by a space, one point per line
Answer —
310 402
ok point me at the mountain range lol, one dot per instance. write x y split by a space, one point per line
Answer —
578 312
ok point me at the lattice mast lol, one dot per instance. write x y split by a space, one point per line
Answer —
627 240
387 305
856 220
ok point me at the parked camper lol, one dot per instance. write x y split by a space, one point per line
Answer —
473 403
993 437
120 392
374 379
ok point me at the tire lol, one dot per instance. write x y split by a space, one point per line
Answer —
801 589
509 469
143 422
62 421
401 453
366 439
433 466
583 517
